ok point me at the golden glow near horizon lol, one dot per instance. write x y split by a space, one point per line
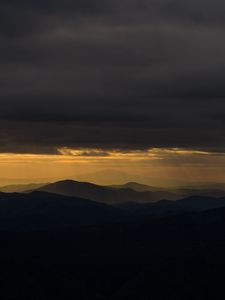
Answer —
153 153
155 165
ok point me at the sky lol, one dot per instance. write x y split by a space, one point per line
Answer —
131 86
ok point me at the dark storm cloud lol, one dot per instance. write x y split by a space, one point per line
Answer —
111 74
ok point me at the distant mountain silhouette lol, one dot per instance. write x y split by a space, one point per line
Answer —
204 192
180 192
206 186
20 188
105 176
158 192
166 207
103 194
40 210
138 187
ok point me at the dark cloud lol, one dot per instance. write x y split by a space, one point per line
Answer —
111 74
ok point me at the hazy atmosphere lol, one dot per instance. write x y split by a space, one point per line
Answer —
160 167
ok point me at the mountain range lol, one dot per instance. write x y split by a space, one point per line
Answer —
72 257
43 210
104 194
119 193
20 188
138 187
40 210
112 243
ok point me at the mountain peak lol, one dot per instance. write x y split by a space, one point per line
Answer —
138 187
104 194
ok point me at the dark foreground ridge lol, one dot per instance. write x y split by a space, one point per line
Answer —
59 247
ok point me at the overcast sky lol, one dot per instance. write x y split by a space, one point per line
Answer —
121 74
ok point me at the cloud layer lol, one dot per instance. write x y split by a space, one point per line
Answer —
111 75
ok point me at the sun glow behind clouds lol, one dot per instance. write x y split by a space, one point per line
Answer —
153 153
145 165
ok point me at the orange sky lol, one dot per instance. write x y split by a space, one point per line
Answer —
153 166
